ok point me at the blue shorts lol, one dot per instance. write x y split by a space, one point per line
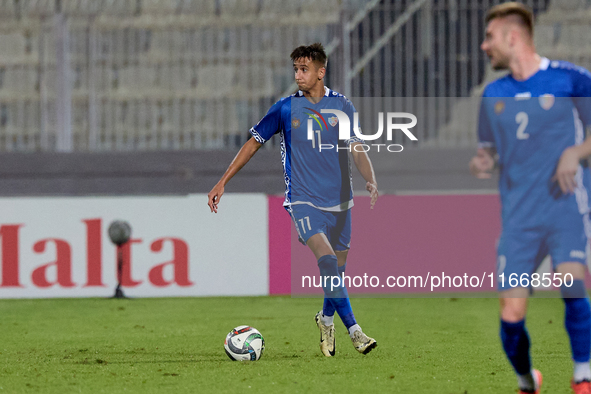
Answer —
335 225
522 252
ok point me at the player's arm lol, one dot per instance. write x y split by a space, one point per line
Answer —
363 164
485 160
244 155
483 164
570 159
568 165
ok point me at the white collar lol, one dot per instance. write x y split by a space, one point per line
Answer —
326 92
544 63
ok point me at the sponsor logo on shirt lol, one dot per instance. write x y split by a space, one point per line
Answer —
577 254
523 96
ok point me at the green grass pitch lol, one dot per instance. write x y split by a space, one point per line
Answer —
425 345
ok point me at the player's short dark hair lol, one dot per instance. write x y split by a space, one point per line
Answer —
524 14
314 52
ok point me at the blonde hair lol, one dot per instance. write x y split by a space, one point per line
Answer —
524 14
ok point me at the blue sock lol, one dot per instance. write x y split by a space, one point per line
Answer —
328 308
577 320
338 296
516 345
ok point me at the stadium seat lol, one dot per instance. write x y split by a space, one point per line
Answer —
81 7
240 8
202 8
284 11
575 38
102 78
12 48
320 12
7 9
134 80
255 81
568 5
461 130
545 36
10 127
115 7
19 81
159 7
180 77
123 126
36 8
142 127
220 121
160 45
216 80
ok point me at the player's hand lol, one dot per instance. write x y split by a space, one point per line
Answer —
214 197
482 164
566 170
372 188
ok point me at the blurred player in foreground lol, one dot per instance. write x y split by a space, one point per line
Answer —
531 128
318 193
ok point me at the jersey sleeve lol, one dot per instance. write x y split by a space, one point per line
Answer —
581 80
268 125
485 131
350 110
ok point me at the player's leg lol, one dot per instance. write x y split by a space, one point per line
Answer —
311 227
568 250
339 236
519 253
328 266
362 343
336 225
325 318
577 320
328 308
515 338
338 296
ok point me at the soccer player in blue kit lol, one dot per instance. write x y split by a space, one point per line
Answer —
317 176
531 128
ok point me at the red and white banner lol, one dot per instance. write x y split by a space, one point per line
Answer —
59 247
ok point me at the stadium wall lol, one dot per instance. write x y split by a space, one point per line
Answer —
59 247
403 236
192 172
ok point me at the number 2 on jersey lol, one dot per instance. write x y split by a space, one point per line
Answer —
303 225
522 120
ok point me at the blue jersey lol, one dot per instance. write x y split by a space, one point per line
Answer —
530 123
316 176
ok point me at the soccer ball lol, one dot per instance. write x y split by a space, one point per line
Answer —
244 343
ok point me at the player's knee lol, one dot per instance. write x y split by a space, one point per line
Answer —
512 312
331 280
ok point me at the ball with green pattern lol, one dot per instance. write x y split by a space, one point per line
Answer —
244 343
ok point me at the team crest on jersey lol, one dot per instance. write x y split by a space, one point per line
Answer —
547 101
333 120
295 123
499 107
